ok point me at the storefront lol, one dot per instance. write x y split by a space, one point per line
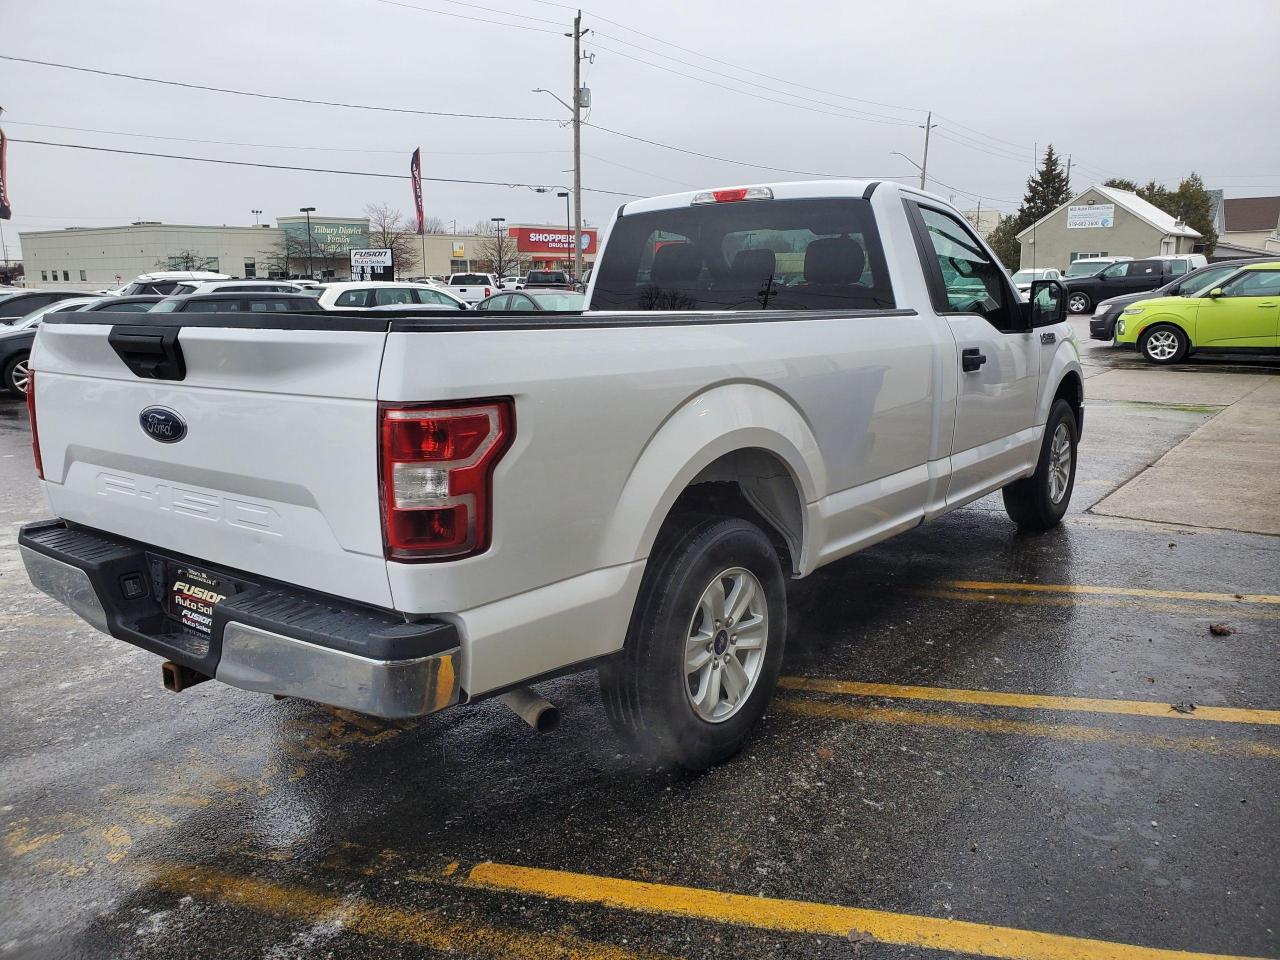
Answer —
549 248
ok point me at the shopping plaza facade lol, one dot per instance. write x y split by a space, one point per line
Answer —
95 258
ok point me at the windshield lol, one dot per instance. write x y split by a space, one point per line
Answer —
1086 268
1027 276
547 276
465 279
809 254
559 301
1204 280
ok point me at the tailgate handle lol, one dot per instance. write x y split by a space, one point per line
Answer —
150 352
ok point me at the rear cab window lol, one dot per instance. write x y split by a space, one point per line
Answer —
803 254
468 280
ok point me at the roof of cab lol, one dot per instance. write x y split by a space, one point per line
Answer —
789 190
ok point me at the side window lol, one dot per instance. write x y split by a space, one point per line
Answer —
133 308
1145 269
1177 268
394 295
432 297
1204 279
972 281
1254 283
211 306
498 303
1117 270
351 298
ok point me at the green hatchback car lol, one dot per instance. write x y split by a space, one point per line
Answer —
1241 312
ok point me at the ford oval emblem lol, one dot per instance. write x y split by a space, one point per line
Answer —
160 423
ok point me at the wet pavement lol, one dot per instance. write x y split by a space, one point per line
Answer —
975 751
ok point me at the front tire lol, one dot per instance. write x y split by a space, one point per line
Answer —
704 648
1163 343
1038 502
17 375
1078 303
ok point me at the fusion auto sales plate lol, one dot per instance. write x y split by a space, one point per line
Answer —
192 594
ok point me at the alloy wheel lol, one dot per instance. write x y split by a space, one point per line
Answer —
1059 463
20 376
1162 345
725 644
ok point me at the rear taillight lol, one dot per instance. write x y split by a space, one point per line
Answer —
31 415
488 292
437 464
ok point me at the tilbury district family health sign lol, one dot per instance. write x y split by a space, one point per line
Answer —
1091 215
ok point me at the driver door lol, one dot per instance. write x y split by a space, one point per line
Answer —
997 360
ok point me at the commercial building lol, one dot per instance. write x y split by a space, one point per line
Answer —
95 258
1104 221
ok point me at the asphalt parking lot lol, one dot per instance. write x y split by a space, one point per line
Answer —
986 744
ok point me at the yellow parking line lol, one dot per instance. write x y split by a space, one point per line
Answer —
1095 590
798 916
1071 600
419 927
1062 731
1028 701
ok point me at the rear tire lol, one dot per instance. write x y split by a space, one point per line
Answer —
1163 343
704 647
1038 502
16 375
1078 303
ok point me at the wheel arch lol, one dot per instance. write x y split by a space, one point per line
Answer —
741 449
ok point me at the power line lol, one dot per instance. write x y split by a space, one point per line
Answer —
280 146
869 118
459 16
280 166
273 96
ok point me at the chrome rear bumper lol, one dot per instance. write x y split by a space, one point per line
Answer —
265 638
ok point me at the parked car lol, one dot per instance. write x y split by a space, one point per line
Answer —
25 302
242 286
1024 278
1120 278
231 302
511 283
1239 313
1090 266
17 334
554 279
534 301
399 519
472 287
1102 324
366 295
164 282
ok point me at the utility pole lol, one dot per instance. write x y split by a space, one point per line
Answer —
577 146
1068 173
928 125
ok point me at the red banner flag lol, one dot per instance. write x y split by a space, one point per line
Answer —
5 212
415 174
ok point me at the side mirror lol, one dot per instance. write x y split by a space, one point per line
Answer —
1215 293
1046 304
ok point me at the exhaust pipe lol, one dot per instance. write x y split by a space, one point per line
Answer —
542 715
177 677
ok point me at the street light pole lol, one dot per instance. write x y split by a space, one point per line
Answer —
568 223
256 215
499 249
928 125
311 264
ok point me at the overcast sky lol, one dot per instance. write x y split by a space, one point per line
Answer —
1141 88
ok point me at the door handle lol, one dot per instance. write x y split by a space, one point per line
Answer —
1049 337
971 359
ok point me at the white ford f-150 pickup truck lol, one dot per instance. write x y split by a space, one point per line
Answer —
396 514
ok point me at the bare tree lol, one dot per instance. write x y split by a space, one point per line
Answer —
185 260
434 226
499 251
288 255
388 230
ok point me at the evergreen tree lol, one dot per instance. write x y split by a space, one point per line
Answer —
1047 189
1190 203
1120 183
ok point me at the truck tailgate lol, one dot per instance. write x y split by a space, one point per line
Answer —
276 473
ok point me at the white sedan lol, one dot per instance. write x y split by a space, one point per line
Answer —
368 295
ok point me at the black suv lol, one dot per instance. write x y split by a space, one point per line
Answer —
1102 325
1123 277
